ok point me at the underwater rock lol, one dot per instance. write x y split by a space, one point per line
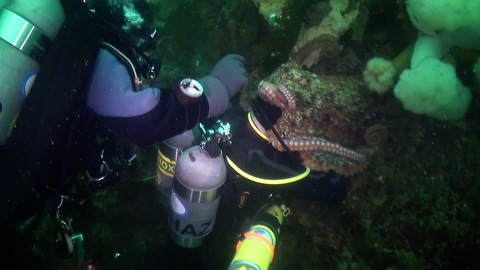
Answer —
322 39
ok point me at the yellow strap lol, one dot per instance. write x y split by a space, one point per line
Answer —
252 124
267 181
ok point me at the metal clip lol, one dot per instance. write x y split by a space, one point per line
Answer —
285 210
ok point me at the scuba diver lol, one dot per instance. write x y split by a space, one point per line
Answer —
95 79
123 95
106 89
145 114
246 189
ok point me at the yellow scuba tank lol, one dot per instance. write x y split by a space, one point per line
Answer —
168 152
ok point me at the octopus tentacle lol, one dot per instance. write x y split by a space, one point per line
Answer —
325 161
277 95
291 106
312 144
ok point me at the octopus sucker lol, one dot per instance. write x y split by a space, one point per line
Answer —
277 94
288 96
308 144
339 165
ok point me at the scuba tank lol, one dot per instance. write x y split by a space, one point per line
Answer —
166 162
168 152
199 176
27 28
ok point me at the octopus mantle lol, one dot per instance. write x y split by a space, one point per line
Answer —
323 118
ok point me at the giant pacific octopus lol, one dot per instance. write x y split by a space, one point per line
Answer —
323 119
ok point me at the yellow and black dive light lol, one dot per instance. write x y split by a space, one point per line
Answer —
256 247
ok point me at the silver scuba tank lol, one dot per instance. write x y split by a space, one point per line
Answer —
199 176
196 196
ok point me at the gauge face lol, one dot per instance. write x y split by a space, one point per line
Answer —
191 88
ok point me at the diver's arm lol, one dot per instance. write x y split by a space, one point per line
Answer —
150 115
142 117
